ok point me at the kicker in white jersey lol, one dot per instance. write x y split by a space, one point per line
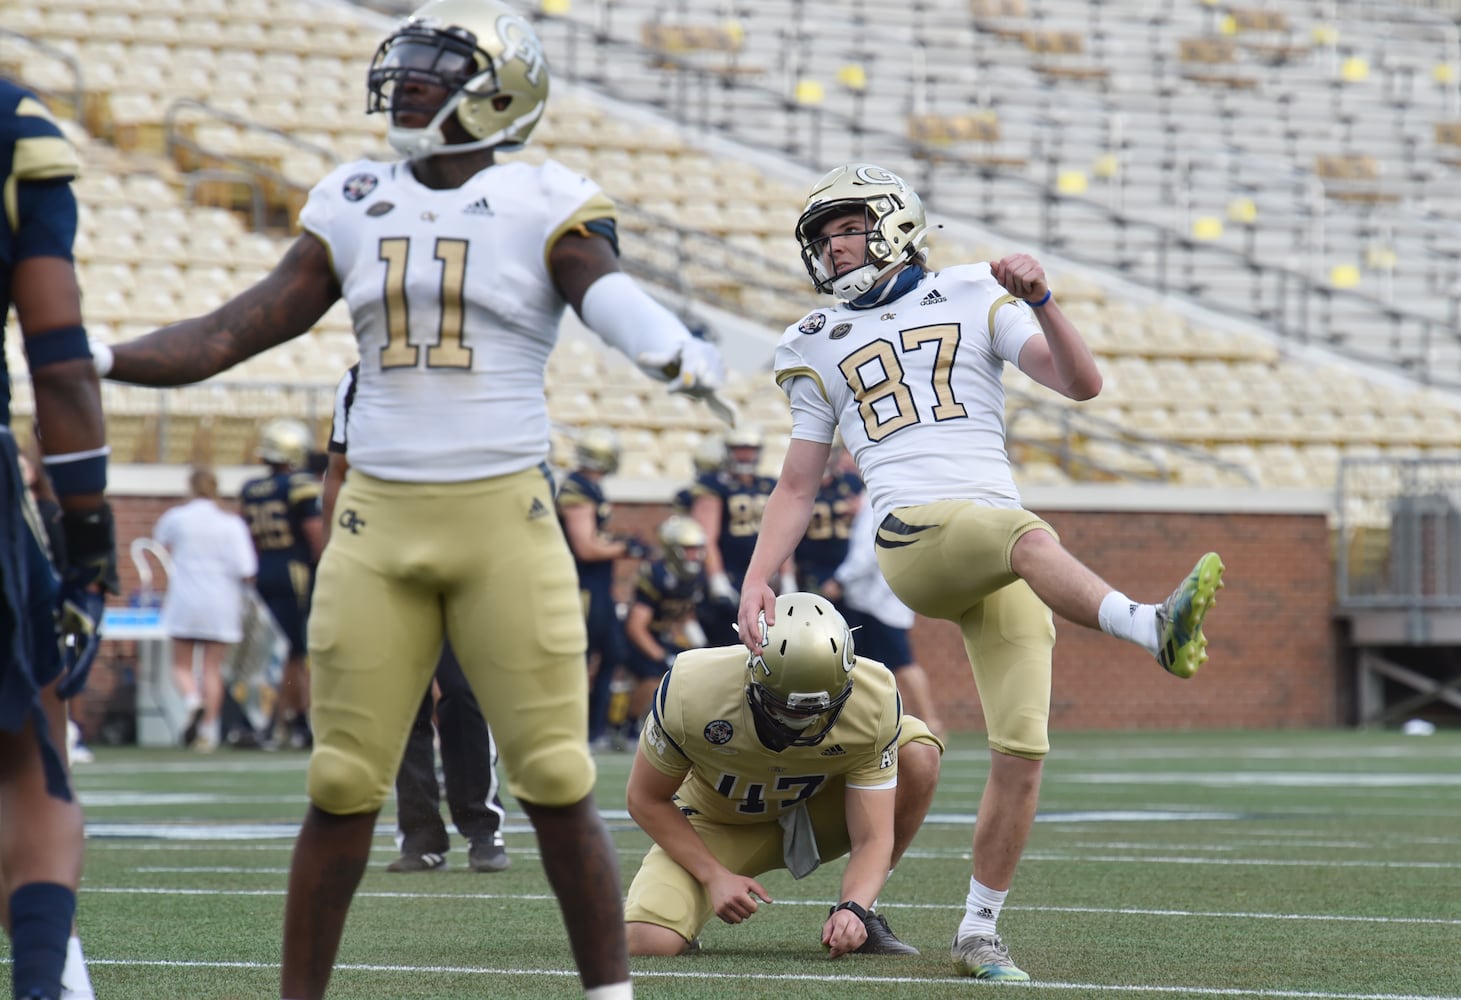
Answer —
455 311
914 386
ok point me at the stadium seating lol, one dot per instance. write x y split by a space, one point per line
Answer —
1178 392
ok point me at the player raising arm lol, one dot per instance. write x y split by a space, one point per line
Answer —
920 406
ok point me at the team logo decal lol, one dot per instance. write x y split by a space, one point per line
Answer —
840 330
813 323
719 732
380 208
359 186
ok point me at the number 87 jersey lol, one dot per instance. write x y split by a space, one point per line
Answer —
914 385
454 308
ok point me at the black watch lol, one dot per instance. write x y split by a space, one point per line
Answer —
857 909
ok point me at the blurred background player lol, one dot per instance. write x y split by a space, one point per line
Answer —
881 621
282 508
663 617
449 716
707 458
727 503
41 845
584 512
211 563
824 547
784 760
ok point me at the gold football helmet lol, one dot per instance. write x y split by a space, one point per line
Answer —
597 450
284 442
487 59
896 226
741 439
803 677
683 542
709 455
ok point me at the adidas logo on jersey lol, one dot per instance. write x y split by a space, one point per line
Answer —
478 207
835 750
933 298
537 510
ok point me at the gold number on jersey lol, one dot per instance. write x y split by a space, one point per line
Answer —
447 351
269 524
892 385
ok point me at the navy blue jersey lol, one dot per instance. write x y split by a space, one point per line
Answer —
741 504
671 599
597 576
824 547
276 507
36 165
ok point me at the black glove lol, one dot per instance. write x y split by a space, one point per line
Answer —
90 560
634 548
88 574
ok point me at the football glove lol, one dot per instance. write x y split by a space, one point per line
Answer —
90 559
696 370
79 627
721 590
634 548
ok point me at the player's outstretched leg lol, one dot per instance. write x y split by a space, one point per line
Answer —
1181 646
583 868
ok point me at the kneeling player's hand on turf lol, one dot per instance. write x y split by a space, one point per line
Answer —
735 896
843 932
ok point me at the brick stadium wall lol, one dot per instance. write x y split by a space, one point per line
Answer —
1274 662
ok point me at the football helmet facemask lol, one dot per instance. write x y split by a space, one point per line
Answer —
486 60
896 227
683 542
739 439
597 450
799 684
284 442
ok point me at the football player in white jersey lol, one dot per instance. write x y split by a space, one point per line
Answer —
456 270
907 365
785 759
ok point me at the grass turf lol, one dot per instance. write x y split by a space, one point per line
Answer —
1253 864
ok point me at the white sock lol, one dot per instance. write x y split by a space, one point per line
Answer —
75 983
614 991
981 910
1125 619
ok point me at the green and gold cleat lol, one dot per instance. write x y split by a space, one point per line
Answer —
1181 646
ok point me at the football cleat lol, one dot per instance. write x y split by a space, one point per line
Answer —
1181 646
985 957
190 731
880 938
488 856
427 862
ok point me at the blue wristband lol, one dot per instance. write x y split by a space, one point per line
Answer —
1037 305
68 343
78 472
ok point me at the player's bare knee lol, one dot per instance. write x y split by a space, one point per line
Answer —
343 784
654 940
555 776
918 764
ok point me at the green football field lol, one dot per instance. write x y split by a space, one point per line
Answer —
1253 864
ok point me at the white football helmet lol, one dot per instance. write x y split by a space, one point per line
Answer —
896 226
483 54
284 442
597 450
709 455
803 677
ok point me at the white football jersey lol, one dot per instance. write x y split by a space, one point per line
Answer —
454 309
914 386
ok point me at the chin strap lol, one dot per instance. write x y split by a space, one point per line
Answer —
904 281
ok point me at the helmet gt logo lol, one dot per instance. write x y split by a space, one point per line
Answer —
521 43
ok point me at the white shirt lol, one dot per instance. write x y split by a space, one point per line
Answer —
212 555
863 587
914 386
454 308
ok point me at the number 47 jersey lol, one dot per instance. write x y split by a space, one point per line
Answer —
455 311
915 386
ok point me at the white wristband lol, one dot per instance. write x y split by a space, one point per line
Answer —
101 358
